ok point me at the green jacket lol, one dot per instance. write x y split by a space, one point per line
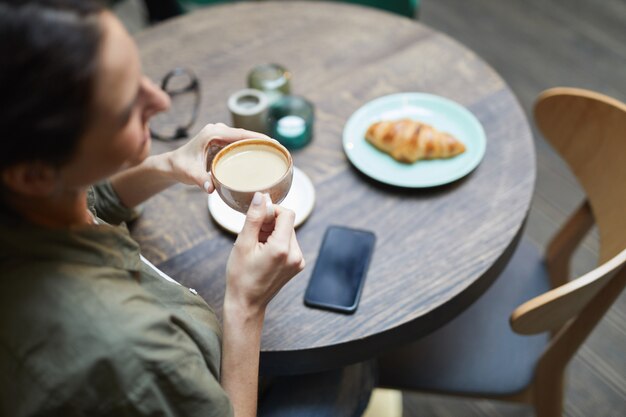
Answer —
89 329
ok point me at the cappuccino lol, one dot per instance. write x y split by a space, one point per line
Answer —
251 167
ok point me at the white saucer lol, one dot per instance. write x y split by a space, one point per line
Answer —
301 199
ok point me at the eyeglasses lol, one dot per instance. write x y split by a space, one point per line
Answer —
183 87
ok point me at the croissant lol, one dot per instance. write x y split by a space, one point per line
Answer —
408 140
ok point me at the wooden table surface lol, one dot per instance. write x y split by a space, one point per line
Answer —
437 249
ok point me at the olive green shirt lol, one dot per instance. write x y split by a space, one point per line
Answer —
89 329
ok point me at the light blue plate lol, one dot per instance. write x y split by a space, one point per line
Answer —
441 113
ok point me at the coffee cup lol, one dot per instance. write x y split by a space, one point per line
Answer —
244 167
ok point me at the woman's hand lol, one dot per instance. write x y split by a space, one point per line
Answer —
188 164
265 257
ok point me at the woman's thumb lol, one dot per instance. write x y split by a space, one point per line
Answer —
254 220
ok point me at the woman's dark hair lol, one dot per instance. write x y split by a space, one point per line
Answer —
48 64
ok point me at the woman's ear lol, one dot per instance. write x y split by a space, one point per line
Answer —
32 179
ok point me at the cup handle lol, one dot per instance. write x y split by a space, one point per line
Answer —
215 145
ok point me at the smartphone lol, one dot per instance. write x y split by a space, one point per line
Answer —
340 269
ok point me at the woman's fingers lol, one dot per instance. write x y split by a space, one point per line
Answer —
201 178
249 235
208 185
269 224
256 272
190 163
283 228
285 234
296 258
231 134
212 138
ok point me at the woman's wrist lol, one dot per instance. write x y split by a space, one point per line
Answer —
161 165
135 185
241 312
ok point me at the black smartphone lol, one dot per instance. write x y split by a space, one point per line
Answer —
340 269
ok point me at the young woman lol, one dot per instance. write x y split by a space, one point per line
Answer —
87 327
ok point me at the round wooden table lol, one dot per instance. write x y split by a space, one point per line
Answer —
437 249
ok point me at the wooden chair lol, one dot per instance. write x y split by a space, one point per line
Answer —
516 340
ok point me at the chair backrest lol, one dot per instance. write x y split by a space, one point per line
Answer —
589 131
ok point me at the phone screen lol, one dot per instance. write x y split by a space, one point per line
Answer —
340 269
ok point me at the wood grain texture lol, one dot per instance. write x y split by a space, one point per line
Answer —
553 309
559 252
437 249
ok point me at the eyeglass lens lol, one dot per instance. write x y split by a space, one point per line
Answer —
183 89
